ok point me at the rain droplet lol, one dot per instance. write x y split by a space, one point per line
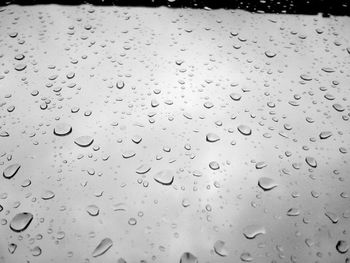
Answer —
62 129
188 257
219 248
21 221
342 246
253 231
311 161
102 247
246 257
235 96
325 135
93 210
267 183
212 137
84 141
11 170
36 251
214 165
245 130
47 195
164 177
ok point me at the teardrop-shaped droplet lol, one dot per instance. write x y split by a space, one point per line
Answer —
12 248
311 161
164 177
84 141
4 134
267 183
244 129
325 135
102 247
11 170
252 231
21 221
62 129
332 216
219 248
338 107
188 257
212 137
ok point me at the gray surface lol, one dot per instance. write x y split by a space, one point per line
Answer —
93 198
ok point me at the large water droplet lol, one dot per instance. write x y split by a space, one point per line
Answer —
62 129
219 248
164 177
245 130
84 141
21 221
267 183
311 161
212 137
11 170
342 246
102 247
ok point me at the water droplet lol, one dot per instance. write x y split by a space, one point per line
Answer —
293 212
47 195
143 169
332 216
212 137
219 248
188 257
338 107
93 210
12 248
235 96
260 165
20 67
21 221
270 54
164 177
253 231
132 221
36 251
267 183
62 129
102 247
325 135
246 257
84 141
311 161
245 130
214 165
11 170
342 246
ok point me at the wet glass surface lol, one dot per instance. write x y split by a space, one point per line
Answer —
173 135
